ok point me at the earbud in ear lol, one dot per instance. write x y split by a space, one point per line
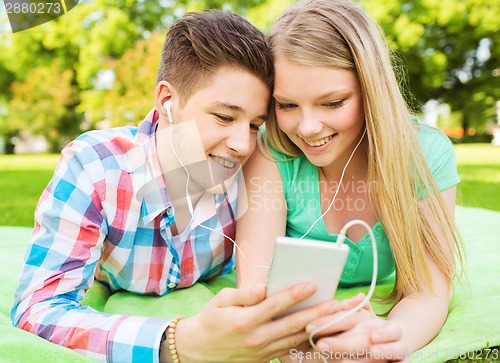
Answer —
166 106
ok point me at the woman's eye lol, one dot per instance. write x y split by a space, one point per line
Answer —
285 106
335 104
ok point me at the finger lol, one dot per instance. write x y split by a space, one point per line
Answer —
353 301
388 333
358 344
297 321
240 297
356 300
341 325
392 352
282 347
288 332
371 359
355 339
282 301
369 308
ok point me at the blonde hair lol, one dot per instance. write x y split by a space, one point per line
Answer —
338 34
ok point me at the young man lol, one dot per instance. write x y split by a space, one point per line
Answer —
149 210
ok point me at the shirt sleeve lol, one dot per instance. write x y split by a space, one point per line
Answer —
440 156
70 229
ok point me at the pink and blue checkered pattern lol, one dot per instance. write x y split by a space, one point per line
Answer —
106 215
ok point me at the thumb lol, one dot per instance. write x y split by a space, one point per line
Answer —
240 297
353 301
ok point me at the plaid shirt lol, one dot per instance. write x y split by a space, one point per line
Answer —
106 214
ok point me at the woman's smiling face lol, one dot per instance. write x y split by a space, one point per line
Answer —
319 108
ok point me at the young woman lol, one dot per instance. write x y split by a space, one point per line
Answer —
343 145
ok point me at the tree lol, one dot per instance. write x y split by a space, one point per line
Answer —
131 95
73 49
451 48
41 104
6 79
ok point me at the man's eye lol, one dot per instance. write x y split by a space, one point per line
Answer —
224 118
254 127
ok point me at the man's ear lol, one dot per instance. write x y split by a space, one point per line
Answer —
163 93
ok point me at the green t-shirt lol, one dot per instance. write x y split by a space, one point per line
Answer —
301 188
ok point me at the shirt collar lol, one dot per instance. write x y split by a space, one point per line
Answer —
155 197
154 192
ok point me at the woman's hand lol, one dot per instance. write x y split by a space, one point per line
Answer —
361 337
372 340
369 340
237 326
344 324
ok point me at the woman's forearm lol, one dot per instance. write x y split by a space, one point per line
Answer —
421 317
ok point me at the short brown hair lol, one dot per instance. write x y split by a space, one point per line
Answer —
200 42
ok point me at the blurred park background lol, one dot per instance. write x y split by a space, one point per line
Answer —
95 67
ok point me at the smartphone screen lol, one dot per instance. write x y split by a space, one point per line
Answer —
300 260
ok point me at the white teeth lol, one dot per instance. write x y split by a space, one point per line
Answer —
224 162
319 142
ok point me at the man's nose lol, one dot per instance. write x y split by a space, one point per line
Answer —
240 139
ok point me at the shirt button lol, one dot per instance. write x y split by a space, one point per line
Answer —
170 211
171 285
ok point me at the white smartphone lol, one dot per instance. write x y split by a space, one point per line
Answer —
300 260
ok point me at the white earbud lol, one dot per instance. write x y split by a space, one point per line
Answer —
166 105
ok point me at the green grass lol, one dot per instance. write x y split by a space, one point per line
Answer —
23 178
479 170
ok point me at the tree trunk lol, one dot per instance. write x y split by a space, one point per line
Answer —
465 123
9 147
8 144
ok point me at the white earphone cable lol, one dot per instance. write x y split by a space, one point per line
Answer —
188 197
373 283
339 186
340 239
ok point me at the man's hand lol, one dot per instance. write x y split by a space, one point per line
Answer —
237 326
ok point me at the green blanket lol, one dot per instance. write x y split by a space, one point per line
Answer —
473 320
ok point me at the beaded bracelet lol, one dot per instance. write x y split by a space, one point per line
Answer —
171 339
